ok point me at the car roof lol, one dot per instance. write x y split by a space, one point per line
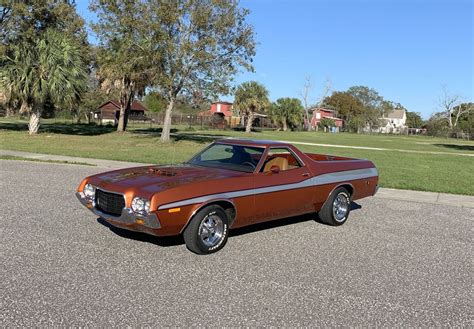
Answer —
251 142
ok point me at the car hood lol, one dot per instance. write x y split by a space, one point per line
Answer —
152 179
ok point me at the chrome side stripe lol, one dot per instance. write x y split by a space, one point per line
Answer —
336 177
345 176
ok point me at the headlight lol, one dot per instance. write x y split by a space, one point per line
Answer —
89 191
140 206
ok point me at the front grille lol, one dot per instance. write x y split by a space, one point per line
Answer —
109 203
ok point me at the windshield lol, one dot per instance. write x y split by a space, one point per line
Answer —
232 157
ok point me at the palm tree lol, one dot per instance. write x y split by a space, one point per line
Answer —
287 111
52 67
251 97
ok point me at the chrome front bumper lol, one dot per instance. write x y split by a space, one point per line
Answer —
127 217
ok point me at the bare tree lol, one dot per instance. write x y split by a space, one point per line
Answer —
325 92
305 94
305 97
450 106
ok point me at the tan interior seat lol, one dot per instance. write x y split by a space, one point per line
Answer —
278 161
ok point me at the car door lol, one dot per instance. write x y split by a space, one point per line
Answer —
281 188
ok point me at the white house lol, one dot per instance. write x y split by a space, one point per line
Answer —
394 122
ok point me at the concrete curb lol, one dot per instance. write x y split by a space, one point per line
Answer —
111 164
383 193
466 201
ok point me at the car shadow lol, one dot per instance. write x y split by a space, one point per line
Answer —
143 237
177 240
271 224
355 206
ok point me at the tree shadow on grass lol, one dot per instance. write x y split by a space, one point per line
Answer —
198 138
205 138
177 135
61 128
82 129
151 132
457 147
77 129
177 240
242 129
14 126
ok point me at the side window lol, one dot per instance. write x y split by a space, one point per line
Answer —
281 157
255 154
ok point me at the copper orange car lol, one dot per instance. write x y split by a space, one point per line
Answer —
231 183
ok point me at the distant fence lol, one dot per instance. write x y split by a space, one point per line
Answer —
200 121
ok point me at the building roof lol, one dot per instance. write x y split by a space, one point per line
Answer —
320 109
222 102
136 105
395 114
332 117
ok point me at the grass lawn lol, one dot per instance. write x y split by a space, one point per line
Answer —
407 162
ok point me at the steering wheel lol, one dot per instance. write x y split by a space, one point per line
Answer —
249 163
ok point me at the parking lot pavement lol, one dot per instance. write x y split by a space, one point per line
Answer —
393 263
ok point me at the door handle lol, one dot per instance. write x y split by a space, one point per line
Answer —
305 174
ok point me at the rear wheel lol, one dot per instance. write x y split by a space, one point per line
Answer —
336 209
208 230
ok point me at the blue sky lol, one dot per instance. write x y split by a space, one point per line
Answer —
406 50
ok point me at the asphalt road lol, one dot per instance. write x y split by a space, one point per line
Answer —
393 263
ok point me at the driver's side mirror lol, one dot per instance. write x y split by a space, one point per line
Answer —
275 169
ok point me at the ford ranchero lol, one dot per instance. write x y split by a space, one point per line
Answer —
231 183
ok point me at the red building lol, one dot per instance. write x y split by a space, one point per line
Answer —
220 114
222 107
320 113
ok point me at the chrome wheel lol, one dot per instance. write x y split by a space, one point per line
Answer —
340 207
211 230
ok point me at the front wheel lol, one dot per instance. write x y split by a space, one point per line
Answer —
337 207
208 230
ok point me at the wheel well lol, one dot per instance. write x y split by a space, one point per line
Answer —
348 187
228 207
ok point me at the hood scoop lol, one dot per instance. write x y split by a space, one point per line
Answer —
162 172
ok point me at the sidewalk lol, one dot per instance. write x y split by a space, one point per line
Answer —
383 193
